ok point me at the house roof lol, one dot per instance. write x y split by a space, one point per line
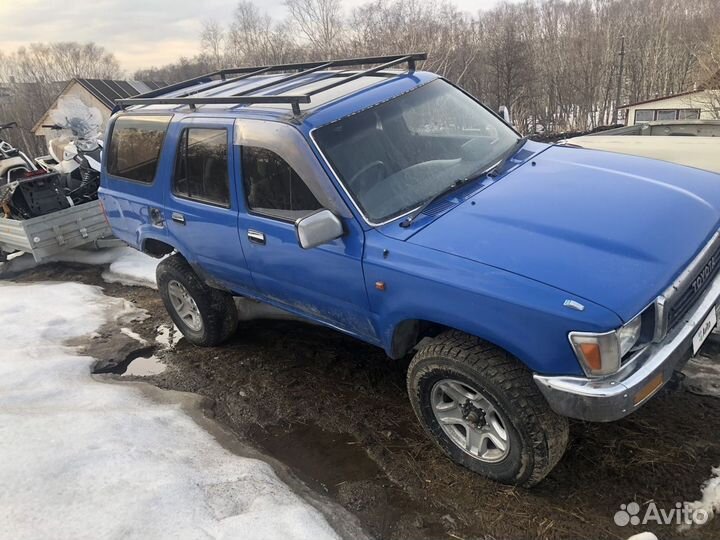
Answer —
660 98
107 91
712 83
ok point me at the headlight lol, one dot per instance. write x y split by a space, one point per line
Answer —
629 335
601 354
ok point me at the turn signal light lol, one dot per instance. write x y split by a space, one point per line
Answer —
598 354
591 353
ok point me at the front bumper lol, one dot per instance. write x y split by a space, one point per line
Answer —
609 398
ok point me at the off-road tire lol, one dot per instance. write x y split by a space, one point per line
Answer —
217 308
538 436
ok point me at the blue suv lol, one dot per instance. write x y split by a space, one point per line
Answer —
532 282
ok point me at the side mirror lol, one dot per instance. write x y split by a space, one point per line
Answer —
319 228
505 113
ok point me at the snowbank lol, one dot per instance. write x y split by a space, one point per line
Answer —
643 536
132 268
709 504
127 266
85 459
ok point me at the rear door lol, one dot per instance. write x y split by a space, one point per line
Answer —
129 190
201 208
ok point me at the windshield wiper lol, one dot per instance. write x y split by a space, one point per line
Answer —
505 157
491 170
449 189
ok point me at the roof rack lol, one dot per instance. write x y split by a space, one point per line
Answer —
249 96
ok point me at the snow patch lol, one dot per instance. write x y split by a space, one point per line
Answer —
168 336
710 501
132 268
643 536
17 262
133 335
82 458
127 266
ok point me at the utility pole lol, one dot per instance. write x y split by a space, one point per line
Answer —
619 80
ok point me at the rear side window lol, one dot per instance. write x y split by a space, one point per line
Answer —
135 146
201 171
273 187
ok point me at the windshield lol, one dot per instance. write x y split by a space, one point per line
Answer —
395 156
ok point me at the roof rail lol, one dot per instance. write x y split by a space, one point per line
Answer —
247 97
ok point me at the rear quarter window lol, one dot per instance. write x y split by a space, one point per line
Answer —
135 145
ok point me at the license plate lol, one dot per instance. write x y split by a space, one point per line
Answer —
704 331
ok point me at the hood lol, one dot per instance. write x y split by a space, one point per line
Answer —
612 229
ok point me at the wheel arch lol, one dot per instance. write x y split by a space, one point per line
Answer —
155 242
156 248
408 333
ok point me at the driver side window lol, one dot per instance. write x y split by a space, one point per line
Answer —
273 188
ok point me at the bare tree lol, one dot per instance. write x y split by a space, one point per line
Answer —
211 42
555 62
33 76
254 38
320 22
184 68
708 61
41 62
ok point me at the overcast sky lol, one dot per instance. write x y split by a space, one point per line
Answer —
141 33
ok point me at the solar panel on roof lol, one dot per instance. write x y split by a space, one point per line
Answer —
107 91
121 88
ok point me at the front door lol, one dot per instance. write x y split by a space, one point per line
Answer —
202 201
324 283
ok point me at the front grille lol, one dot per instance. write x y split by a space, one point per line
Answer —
696 284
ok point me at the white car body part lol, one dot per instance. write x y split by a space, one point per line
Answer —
698 152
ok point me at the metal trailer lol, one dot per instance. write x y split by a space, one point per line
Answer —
48 235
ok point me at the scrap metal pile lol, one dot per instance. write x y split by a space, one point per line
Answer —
68 176
33 196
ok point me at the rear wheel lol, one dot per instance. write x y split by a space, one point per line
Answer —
204 315
483 409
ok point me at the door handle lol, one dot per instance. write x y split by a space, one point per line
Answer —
256 237
178 218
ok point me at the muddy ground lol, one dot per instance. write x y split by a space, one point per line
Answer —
335 411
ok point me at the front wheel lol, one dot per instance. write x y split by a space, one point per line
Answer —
483 409
204 315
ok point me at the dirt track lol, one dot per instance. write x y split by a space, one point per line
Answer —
335 411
